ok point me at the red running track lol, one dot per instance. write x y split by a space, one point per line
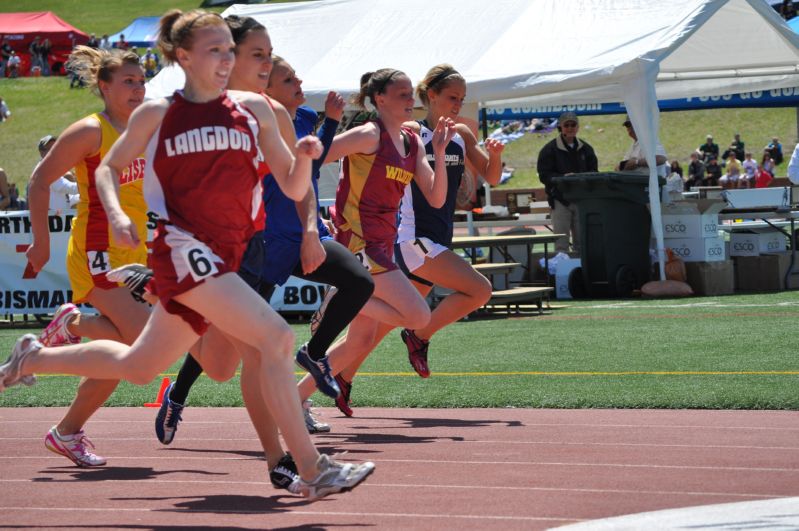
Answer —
436 468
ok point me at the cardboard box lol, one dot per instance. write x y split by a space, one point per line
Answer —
711 278
776 197
565 267
764 273
697 218
698 249
755 242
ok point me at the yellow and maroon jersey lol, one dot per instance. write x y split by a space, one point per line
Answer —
90 229
369 193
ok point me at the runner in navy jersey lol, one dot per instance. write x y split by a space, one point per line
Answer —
425 232
203 145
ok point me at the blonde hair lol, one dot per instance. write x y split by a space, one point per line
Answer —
437 79
176 30
93 65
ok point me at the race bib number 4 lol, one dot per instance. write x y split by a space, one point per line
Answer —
98 262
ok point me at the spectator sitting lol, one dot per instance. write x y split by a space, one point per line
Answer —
150 63
5 193
696 171
730 179
713 172
93 42
749 174
709 149
64 192
5 113
736 147
635 159
774 149
13 64
675 184
105 42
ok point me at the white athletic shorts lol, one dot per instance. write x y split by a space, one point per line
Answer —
413 252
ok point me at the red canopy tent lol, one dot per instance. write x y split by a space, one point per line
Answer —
21 28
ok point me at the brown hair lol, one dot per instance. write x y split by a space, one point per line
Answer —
94 65
241 26
437 78
277 61
176 30
373 83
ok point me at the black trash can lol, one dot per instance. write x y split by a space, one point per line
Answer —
614 231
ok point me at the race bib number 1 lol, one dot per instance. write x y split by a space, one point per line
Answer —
361 256
200 262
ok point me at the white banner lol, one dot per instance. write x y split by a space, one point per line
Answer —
23 291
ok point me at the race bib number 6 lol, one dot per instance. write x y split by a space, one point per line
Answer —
200 262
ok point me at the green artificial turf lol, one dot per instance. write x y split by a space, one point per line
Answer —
736 352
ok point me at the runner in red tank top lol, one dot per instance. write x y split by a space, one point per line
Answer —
194 259
382 158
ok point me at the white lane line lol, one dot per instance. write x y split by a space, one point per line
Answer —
432 425
294 512
467 487
450 441
448 462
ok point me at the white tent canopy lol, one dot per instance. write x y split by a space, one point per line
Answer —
534 52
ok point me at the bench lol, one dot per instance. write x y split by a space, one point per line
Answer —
515 297
491 269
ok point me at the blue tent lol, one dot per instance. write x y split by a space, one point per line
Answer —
141 33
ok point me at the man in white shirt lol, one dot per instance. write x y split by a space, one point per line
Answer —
64 193
635 159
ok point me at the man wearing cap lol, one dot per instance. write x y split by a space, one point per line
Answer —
635 158
64 190
708 149
564 155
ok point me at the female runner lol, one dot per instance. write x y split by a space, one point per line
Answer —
203 145
118 79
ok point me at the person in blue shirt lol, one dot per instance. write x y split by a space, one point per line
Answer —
298 242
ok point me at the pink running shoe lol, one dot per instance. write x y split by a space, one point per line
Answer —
73 447
56 333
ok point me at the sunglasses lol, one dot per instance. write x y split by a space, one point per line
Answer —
569 124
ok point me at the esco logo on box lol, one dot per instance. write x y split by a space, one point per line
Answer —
743 246
711 227
674 228
682 251
715 251
773 246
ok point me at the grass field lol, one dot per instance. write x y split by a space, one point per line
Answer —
46 106
717 353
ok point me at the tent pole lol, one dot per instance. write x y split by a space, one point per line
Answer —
797 122
484 121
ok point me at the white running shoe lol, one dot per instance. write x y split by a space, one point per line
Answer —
56 333
334 477
311 422
73 447
11 370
